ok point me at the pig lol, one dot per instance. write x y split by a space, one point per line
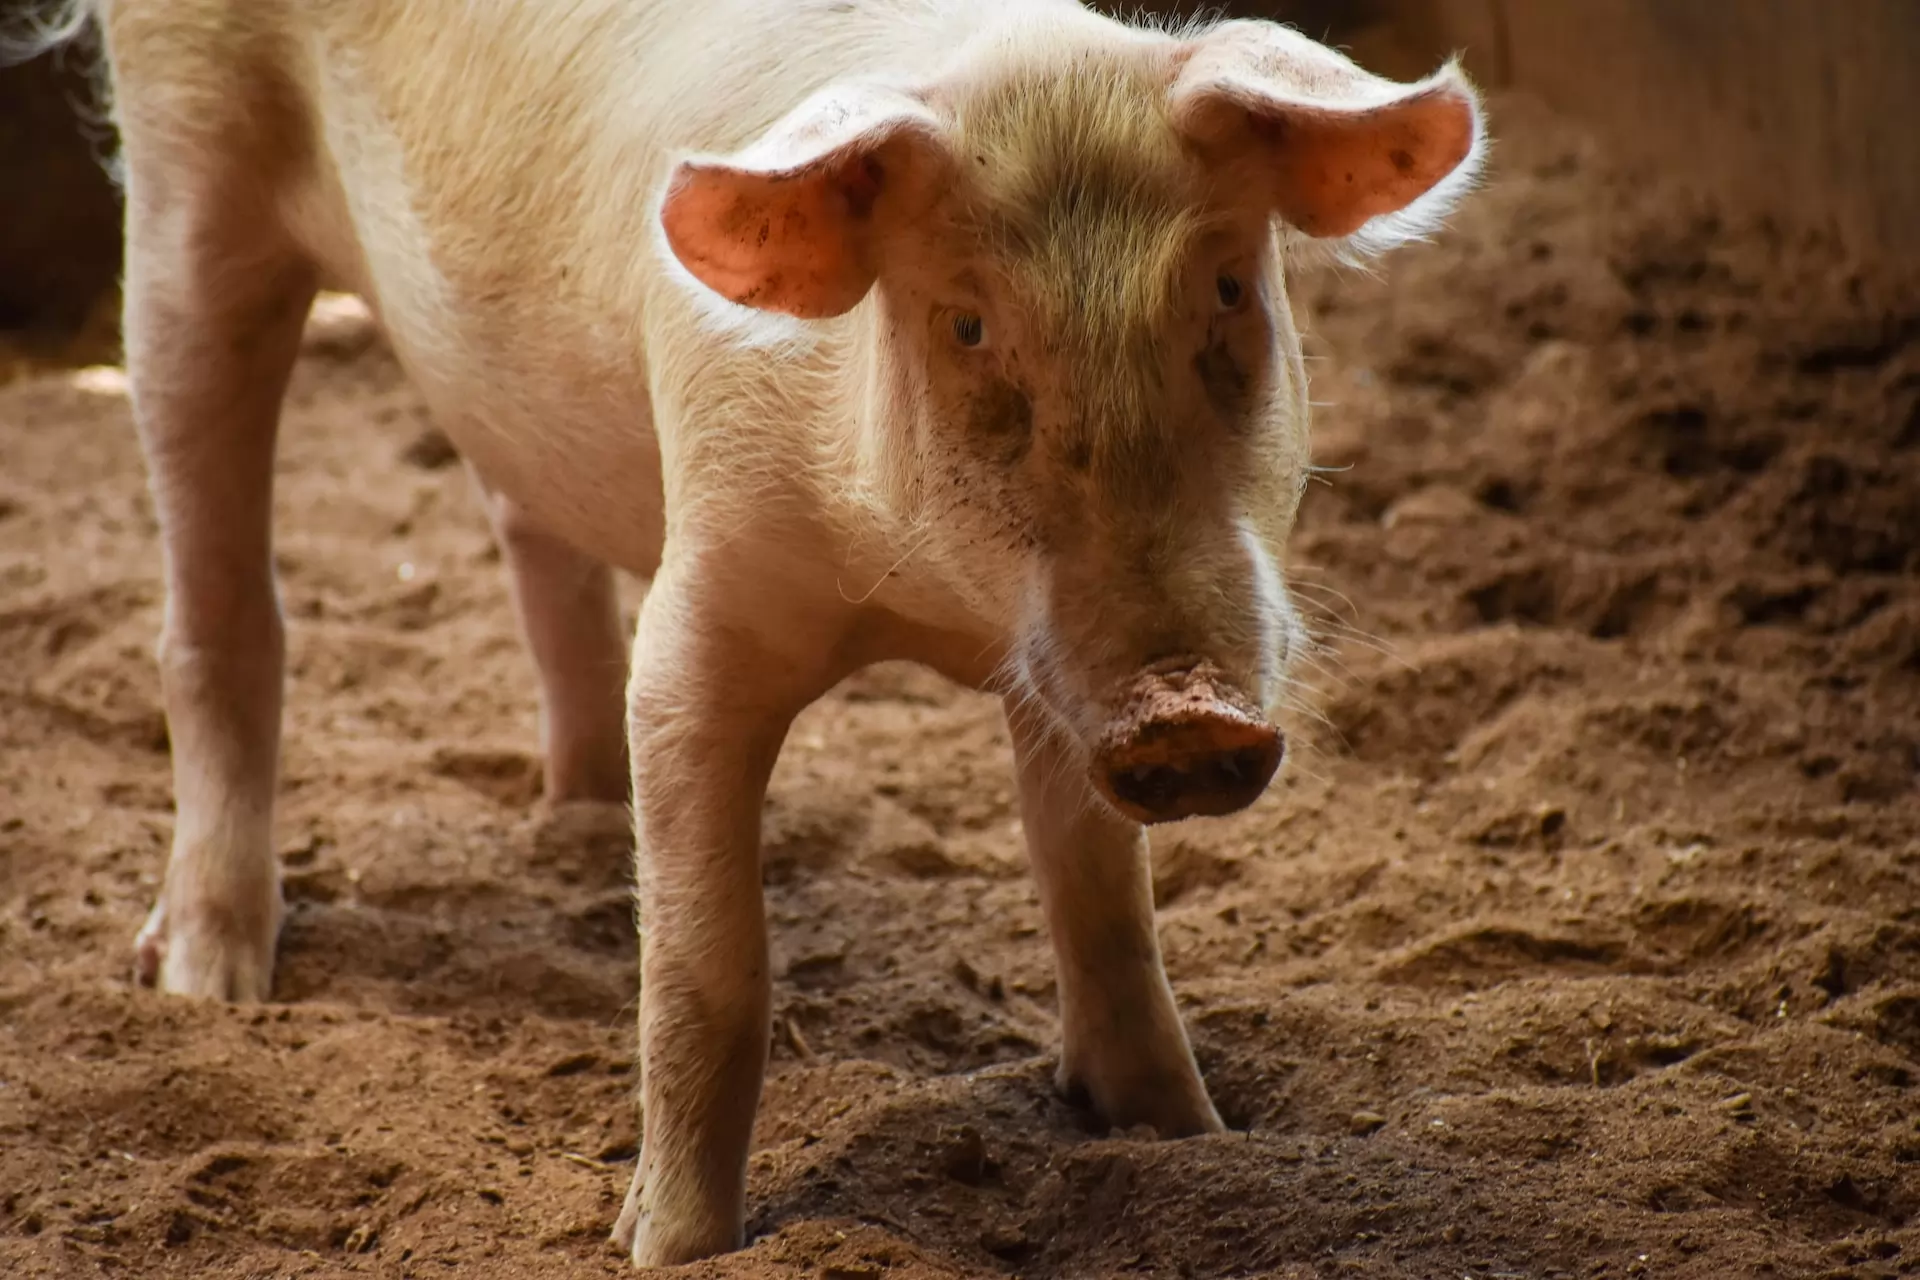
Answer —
950 331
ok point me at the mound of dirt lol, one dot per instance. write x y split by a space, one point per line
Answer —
1580 938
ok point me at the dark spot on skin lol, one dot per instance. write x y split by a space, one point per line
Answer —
862 186
1349 179
1080 454
1402 159
1226 382
1000 422
740 215
1271 130
766 229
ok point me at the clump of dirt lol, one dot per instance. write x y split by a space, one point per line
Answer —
1581 936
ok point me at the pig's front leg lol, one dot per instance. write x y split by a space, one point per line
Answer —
707 714
1124 1044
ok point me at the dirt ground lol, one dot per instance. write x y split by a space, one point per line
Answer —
1581 937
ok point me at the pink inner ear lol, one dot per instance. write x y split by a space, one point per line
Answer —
773 241
1334 170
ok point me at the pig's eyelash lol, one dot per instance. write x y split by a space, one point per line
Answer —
967 328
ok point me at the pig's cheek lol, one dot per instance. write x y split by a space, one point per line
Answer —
1013 529
988 541
981 494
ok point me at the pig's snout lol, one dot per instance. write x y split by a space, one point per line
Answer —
1185 745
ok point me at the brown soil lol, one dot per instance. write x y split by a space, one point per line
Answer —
1581 936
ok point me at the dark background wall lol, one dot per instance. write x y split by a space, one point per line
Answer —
1800 110
59 214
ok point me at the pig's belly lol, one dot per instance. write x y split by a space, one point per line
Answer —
577 449
546 399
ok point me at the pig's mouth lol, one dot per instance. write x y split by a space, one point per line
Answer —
1185 743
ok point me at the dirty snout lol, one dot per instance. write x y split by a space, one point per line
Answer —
1185 743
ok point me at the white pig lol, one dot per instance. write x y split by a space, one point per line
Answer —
944 330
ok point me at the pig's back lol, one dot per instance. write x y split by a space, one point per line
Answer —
520 144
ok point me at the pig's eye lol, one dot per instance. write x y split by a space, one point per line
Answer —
969 330
1229 290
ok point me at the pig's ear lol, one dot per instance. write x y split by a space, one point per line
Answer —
790 223
1336 152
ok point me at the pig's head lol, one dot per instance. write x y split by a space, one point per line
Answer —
1088 410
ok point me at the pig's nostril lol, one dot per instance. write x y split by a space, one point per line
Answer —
1151 787
1196 781
1238 766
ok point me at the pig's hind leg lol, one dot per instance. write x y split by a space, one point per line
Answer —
1124 1048
570 614
216 298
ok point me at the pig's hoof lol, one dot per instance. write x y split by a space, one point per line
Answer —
1174 1108
599 780
587 761
652 1240
209 954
